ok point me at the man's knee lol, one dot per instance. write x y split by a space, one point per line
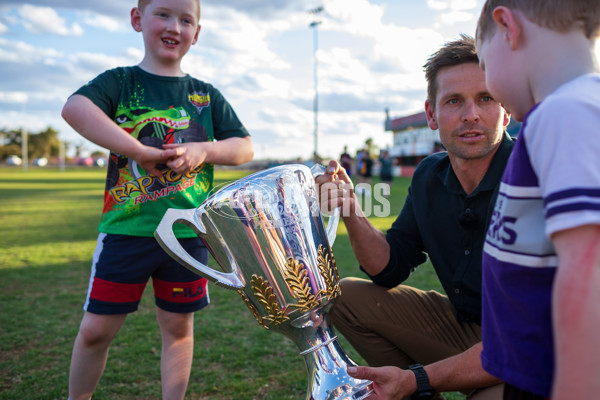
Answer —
350 289
350 306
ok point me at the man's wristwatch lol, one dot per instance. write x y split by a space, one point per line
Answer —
424 390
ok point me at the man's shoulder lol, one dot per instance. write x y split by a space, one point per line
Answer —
432 164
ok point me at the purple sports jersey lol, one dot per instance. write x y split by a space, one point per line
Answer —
551 183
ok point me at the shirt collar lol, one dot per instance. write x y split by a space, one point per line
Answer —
492 176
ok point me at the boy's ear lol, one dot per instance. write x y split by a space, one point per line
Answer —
508 26
196 35
136 19
430 114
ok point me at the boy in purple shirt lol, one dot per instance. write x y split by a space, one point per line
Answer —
541 262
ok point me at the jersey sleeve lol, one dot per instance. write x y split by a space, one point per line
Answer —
104 91
225 121
564 146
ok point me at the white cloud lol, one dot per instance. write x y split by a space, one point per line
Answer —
25 53
85 65
242 41
454 12
386 57
437 5
46 20
456 17
104 22
354 16
342 72
13 97
259 54
134 54
452 5
3 28
458 5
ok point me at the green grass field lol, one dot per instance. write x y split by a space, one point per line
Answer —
48 233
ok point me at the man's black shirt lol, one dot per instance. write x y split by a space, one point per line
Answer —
439 220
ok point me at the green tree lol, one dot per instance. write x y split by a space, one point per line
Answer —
11 143
41 144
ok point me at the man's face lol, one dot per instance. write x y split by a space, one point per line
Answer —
470 121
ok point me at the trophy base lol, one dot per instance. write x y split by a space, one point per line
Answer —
328 379
347 392
327 363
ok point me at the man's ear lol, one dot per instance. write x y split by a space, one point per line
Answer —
506 120
508 25
136 19
430 114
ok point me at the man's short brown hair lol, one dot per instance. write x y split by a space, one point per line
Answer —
558 15
460 51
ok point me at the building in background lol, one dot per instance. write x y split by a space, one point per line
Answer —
413 140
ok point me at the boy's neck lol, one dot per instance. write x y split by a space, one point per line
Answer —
556 58
173 69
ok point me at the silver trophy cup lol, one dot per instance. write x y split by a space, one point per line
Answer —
267 233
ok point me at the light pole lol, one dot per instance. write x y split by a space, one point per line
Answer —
315 24
24 150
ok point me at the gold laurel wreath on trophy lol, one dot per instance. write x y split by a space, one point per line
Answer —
297 279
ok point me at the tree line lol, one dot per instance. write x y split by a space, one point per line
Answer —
39 144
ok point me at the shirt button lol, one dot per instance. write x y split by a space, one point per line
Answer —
467 252
457 291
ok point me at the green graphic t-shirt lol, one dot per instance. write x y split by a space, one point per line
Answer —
155 110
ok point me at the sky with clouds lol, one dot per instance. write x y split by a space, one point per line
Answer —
258 53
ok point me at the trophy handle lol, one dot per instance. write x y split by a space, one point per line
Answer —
319 169
332 225
166 238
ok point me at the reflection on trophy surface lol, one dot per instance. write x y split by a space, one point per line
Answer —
267 233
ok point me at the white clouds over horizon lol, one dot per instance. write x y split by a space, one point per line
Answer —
46 20
259 54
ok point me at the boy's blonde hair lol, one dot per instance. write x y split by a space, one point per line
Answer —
143 3
558 15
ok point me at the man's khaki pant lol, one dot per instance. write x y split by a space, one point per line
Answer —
402 326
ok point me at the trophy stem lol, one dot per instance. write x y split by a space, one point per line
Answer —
326 361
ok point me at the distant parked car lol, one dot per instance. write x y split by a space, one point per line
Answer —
13 160
85 161
40 162
99 162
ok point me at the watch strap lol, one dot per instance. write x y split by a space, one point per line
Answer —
424 389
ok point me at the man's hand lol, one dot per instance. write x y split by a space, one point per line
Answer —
390 383
335 189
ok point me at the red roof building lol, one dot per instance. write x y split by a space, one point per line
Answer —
413 139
